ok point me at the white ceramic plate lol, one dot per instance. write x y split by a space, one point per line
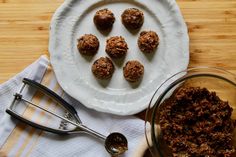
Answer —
74 18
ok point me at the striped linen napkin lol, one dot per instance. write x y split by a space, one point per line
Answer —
18 139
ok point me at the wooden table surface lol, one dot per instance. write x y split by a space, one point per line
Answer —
24 28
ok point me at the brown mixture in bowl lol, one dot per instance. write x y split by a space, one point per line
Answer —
196 122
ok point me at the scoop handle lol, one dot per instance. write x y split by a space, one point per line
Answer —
35 125
54 96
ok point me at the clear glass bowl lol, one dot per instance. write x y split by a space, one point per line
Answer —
214 79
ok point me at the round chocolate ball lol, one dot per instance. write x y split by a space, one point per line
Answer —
148 41
132 18
116 47
104 19
103 68
88 44
133 71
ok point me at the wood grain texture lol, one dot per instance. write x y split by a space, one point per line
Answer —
24 27
212 30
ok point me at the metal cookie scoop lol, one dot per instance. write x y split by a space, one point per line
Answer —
66 119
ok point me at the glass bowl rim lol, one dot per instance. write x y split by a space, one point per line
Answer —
175 82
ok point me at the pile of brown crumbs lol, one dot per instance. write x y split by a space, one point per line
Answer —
196 122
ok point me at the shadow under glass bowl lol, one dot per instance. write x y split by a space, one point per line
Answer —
217 80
